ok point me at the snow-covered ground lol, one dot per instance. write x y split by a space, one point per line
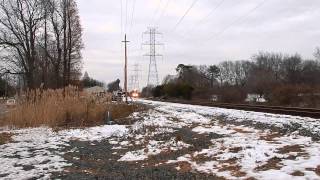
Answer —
298 123
222 142
37 152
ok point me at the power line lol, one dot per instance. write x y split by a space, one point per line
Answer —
212 12
132 15
126 16
163 11
239 19
156 12
121 17
185 14
208 15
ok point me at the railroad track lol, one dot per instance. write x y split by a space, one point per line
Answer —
294 111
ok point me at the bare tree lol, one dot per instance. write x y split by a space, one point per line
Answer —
75 43
19 23
41 40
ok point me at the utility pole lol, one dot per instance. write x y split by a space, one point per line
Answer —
125 68
153 76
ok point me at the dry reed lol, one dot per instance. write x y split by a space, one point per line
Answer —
62 108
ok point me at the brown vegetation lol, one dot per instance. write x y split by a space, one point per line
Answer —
273 163
318 170
270 137
297 173
295 95
293 148
60 107
5 138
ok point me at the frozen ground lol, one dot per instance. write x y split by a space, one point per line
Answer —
171 141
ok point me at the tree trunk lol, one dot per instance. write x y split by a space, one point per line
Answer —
70 45
45 68
65 50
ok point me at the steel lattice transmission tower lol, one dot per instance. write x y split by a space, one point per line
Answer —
152 43
134 78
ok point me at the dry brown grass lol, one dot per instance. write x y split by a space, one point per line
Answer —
5 138
273 163
63 108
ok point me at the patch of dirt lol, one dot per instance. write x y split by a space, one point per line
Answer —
232 166
293 148
297 173
251 178
4 175
184 167
178 137
5 138
235 170
270 137
235 149
201 158
318 170
272 163
239 130
84 171
229 161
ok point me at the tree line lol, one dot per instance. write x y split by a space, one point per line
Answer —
41 42
281 79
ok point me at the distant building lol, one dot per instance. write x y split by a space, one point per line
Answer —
214 98
96 90
255 98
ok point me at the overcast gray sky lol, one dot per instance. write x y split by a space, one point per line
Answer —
212 31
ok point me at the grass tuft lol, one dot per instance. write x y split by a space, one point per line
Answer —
5 138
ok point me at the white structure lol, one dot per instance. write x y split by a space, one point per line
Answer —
97 90
255 98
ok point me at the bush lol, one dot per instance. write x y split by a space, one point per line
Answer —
284 95
186 91
295 95
203 94
158 91
178 90
232 94
147 92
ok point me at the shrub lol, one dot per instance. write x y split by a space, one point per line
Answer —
186 91
284 95
295 95
147 92
203 93
178 90
232 94
158 91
